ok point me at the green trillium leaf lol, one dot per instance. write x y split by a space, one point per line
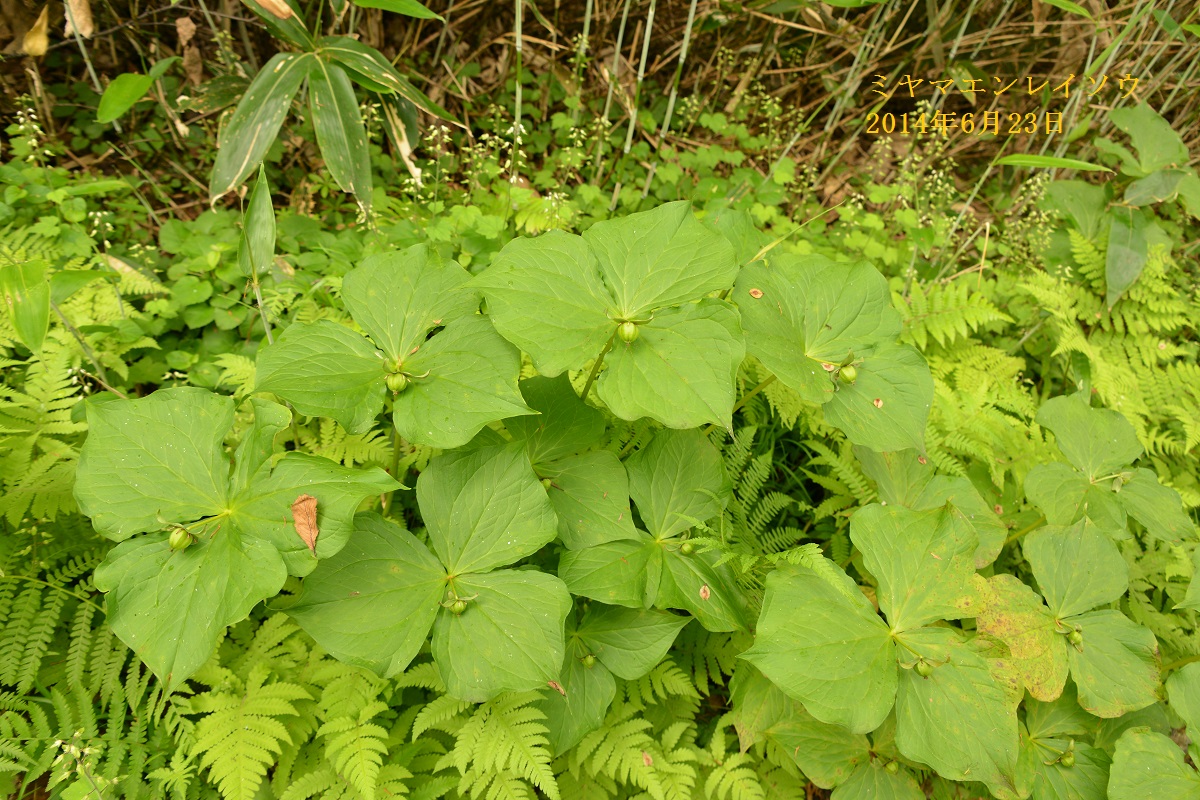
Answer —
461 379
509 638
1061 718
872 781
1077 568
1115 667
1013 613
1158 508
629 642
485 510
659 258
901 476
154 461
681 369
252 458
613 572
586 694
1148 765
887 405
959 720
678 481
1058 490
964 497
1048 778
923 560
171 606
1183 687
374 602
710 592
825 648
325 369
1095 440
590 494
801 312
564 424
399 297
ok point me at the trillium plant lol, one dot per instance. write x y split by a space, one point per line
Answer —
542 551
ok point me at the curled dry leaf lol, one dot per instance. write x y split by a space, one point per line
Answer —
556 686
277 8
36 38
79 18
304 517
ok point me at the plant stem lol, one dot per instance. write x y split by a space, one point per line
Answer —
1023 531
101 375
262 311
596 367
1179 663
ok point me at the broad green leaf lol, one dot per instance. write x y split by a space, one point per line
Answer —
590 493
580 707
25 289
1013 613
485 510
398 297
803 312
1058 490
256 121
1049 779
872 781
409 8
629 642
251 460
1150 765
1116 665
125 90
900 475
66 282
1109 731
362 61
710 592
962 494
680 370
825 649
1061 719
461 379
613 572
1157 144
678 481
888 404
739 229
1083 202
340 131
564 425
257 250
1049 162
546 296
658 258
264 507
510 638
374 602
153 461
1183 687
827 754
1158 508
1077 568
171 607
325 369
1096 440
1156 187
959 720
923 560
1127 251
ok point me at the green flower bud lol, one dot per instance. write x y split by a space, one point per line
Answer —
924 668
848 374
547 483
687 548
1075 637
458 607
180 538
589 661
397 382
628 331
892 767
1067 759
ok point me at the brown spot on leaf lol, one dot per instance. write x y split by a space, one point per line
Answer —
999 509
756 293
922 460
556 686
877 402
304 517
647 759
705 592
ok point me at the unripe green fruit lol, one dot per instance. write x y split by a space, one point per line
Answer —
628 331
458 606
547 483
1067 759
180 539
892 767
924 669
1075 637
397 382
687 548
589 661
848 374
